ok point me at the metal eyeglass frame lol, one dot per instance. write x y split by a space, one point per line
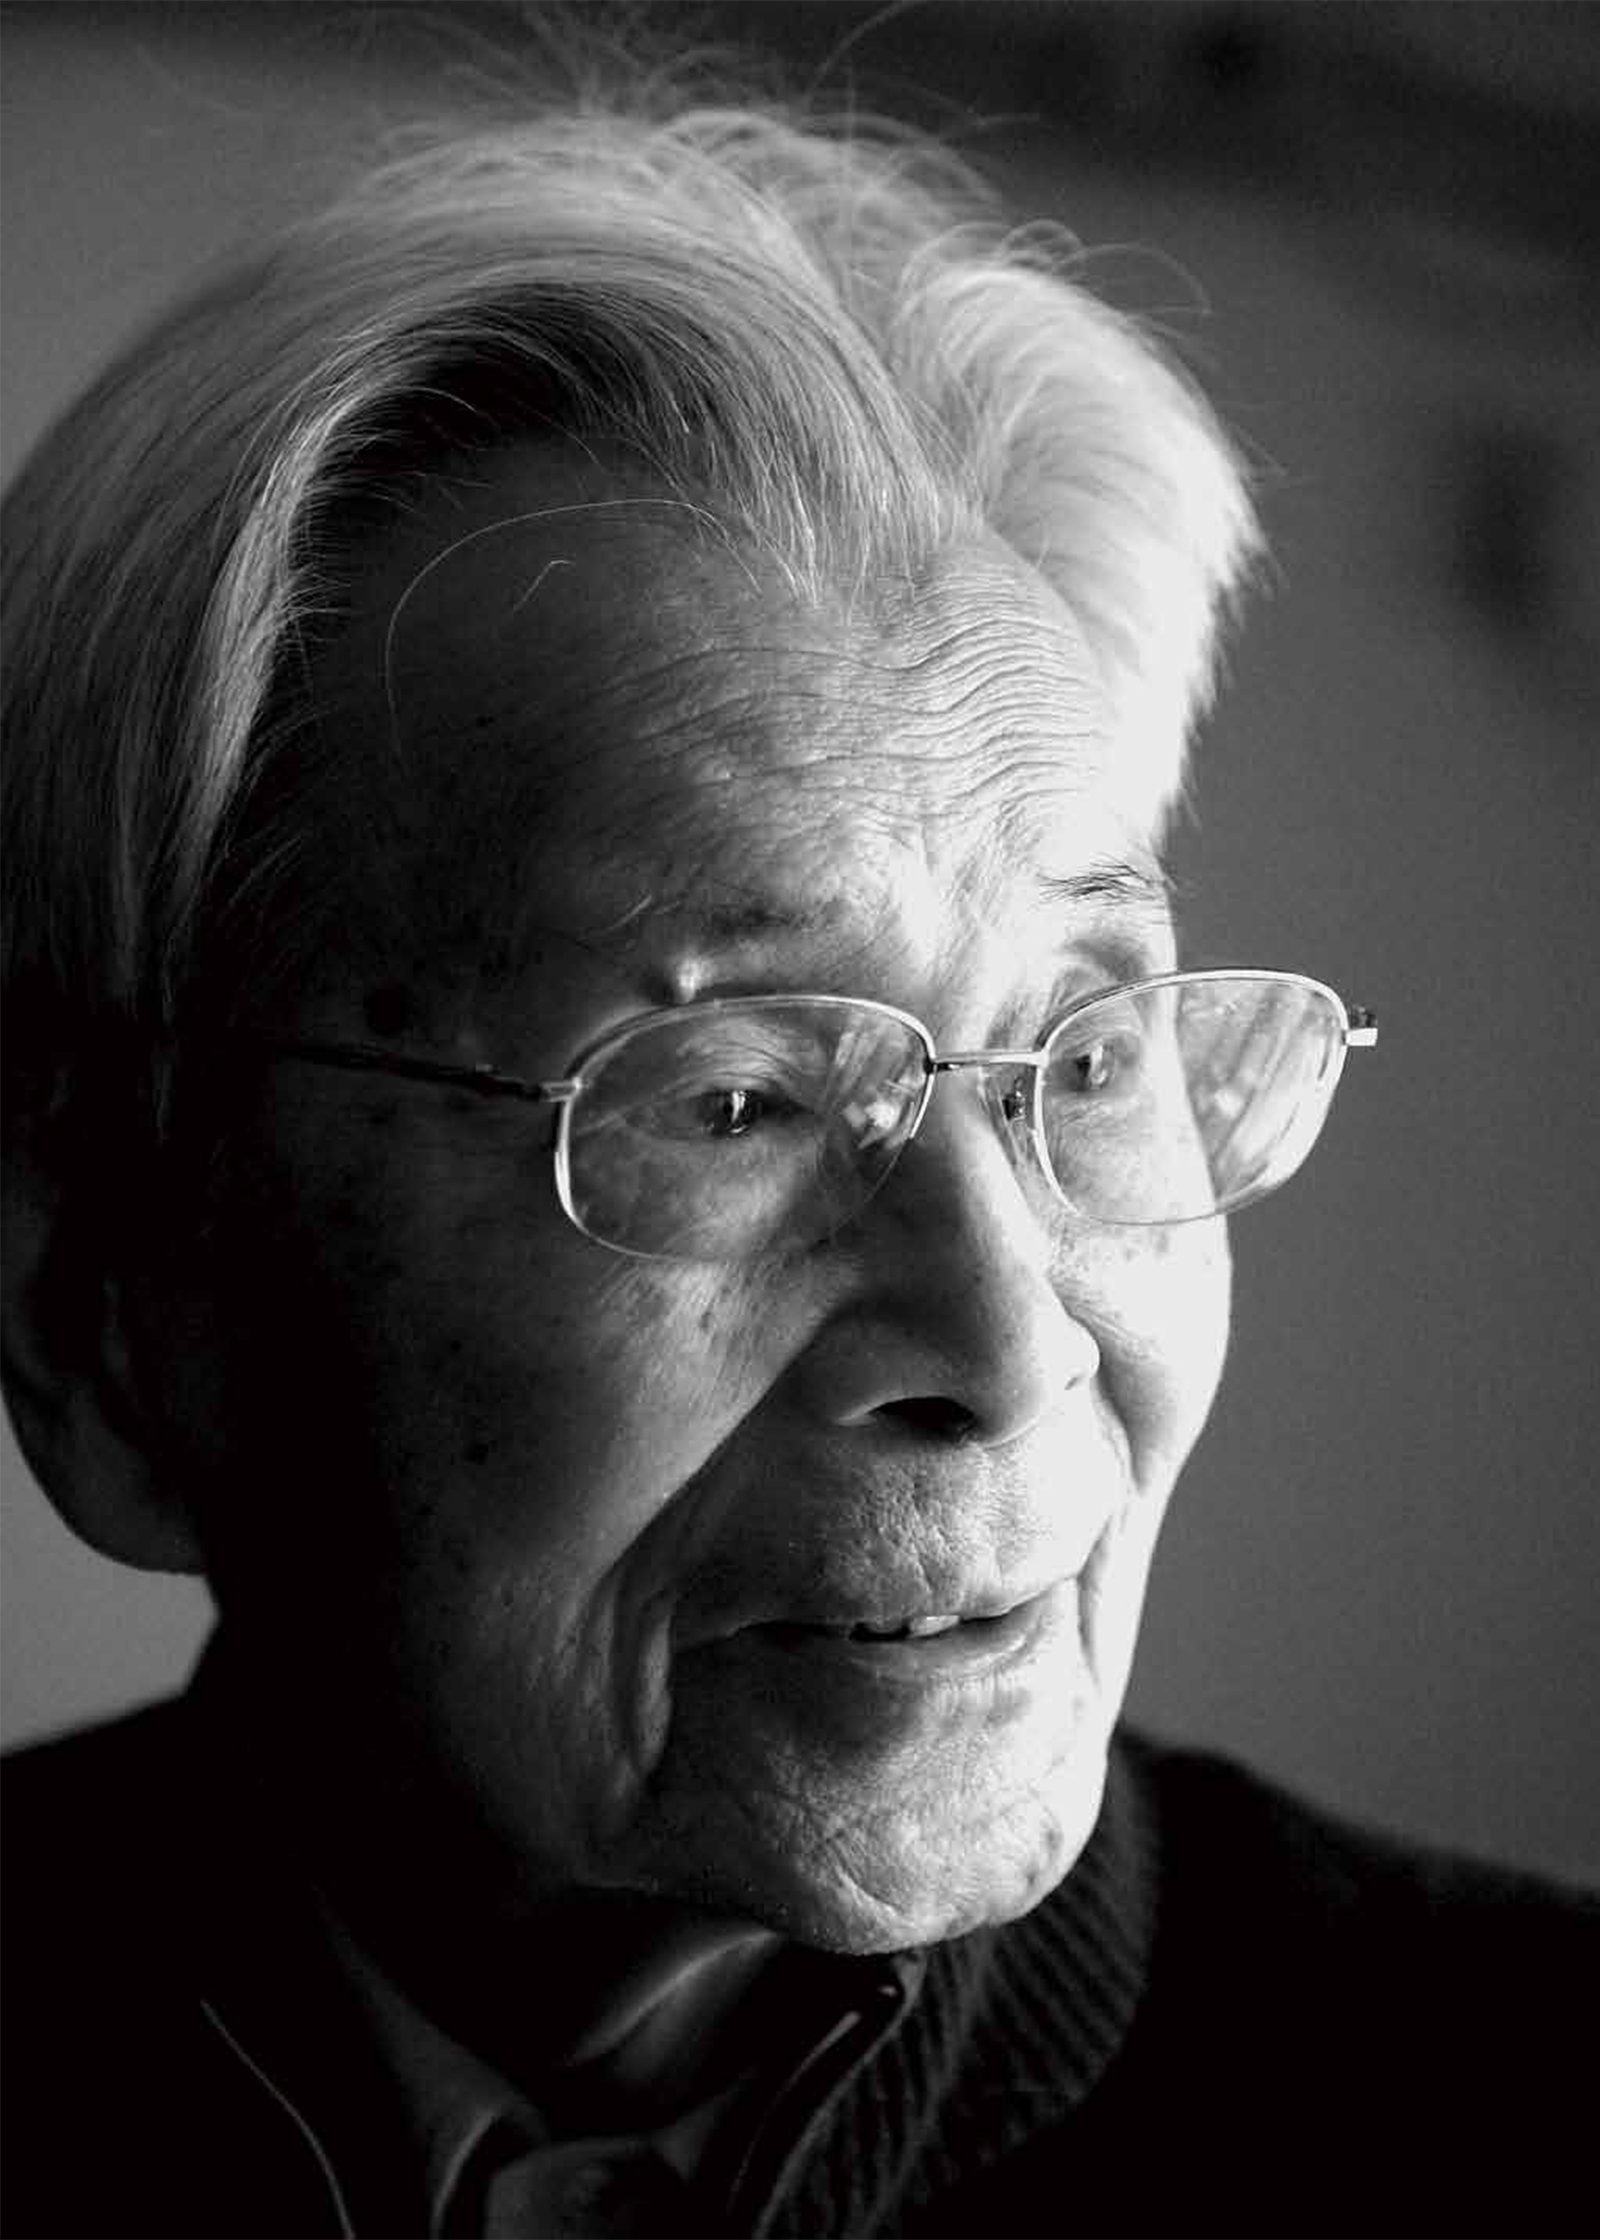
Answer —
1360 1032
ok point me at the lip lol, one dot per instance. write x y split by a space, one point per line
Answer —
984 1642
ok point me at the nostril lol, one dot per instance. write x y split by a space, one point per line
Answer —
931 1413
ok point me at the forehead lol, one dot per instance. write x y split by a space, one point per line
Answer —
576 700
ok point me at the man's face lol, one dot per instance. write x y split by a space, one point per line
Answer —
557 1550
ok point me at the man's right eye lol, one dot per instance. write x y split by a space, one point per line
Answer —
724 1113
732 1112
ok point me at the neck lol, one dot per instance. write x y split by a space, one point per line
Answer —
652 2033
637 2006
609 2011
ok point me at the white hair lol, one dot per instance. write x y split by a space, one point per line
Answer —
827 337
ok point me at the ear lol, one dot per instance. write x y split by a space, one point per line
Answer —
70 1373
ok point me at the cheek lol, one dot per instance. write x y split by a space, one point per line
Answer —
1159 1309
422 1355
457 1455
1162 1352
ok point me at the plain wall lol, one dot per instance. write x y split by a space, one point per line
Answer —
1380 1577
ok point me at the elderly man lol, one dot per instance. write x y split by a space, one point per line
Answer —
606 1137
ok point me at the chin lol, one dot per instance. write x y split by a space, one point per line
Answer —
905 1882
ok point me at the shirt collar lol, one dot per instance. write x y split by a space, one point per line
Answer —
450 2099
454 2101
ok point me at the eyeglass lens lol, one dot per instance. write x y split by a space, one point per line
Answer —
729 1130
1173 1102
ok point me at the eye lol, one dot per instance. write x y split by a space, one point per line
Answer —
1098 1067
724 1113
711 1112
1094 1067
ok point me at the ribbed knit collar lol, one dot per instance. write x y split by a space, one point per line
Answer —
1013 2029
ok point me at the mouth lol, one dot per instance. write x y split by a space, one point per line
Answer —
903 1629
876 1681
918 1640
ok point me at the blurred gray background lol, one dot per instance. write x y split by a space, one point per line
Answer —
1375 232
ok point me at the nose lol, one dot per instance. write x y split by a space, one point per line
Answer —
960 1322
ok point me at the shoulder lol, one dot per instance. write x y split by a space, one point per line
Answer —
1396 1966
96 1893
94 1820
1243 2014
1245 1854
121 1781
1345 2031
111 1891
92 1764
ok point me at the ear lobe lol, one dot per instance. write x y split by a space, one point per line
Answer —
69 1374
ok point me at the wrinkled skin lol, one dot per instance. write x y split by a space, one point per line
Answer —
509 1517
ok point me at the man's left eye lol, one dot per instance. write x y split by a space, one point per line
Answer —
1099 1065
1092 1068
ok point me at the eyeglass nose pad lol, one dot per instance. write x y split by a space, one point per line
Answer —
1008 1098
1011 1099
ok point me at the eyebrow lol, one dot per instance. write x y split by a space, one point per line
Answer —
748 918
1139 884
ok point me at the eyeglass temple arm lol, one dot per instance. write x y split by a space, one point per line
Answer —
1361 1033
484 1081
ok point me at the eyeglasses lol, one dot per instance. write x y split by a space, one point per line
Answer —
755 1124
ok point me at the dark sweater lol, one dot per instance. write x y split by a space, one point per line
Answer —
1235 2016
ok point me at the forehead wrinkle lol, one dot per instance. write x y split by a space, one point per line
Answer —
967 693
940 659
868 728
816 744
1008 673
712 907
963 715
